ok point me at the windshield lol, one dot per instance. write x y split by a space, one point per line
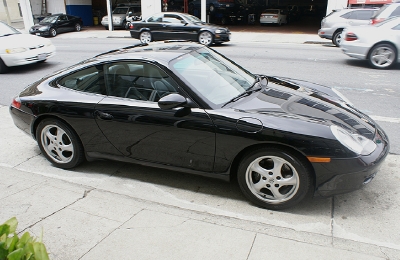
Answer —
120 10
7 30
49 19
212 76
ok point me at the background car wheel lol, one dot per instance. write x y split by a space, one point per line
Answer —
206 38
59 144
145 37
106 27
78 27
337 38
3 67
273 178
212 8
53 32
382 56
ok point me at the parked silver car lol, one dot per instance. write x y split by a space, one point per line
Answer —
333 24
119 15
379 43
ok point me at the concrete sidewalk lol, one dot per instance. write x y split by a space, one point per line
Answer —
111 210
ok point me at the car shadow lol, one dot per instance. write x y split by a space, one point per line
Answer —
364 64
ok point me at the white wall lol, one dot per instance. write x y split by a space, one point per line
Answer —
150 7
335 4
55 6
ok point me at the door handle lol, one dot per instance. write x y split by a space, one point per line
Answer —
104 116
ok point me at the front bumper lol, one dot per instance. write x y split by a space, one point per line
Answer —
28 57
222 37
346 175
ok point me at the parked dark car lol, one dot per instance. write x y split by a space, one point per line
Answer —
185 107
212 5
178 26
57 23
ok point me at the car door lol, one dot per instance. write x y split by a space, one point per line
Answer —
63 24
132 121
157 27
179 29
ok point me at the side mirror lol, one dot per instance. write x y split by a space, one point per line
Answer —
130 14
174 100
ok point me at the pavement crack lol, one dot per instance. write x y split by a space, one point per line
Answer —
386 256
332 218
15 166
251 248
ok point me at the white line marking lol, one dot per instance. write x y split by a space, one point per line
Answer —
386 119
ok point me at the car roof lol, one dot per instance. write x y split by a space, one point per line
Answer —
160 52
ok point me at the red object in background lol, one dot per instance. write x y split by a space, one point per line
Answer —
370 2
185 6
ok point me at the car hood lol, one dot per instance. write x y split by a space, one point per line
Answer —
40 25
285 102
23 40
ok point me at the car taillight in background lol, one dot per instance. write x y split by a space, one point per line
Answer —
16 103
350 37
376 20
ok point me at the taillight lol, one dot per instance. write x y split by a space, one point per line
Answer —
131 26
376 20
350 37
16 102
275 16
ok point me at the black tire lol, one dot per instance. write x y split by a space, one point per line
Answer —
59 144
337 38
211 8
78 27
382 56
106 27
3 67
53 32
264 175
145 37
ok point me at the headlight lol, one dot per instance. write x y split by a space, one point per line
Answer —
345 99
15 50
42 29
354 142
219 31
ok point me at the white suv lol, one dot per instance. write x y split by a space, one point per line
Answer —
333 24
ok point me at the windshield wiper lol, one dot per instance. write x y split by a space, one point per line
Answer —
248 91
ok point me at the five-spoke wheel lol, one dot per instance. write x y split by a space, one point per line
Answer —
78 27
205 38
337 38
59 144
145 37
382 56
274 178
53 32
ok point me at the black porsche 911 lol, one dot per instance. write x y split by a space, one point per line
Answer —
185 107
56 24
178 26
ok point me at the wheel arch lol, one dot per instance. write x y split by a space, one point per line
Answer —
238 158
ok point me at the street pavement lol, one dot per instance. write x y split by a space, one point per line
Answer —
113 210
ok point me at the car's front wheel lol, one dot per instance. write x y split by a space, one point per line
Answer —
59 144
337 38
382 56
206 38
273 178
3 67
53 32
145 37
78 27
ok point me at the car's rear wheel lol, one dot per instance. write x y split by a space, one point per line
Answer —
53 32
3 67
206 38
78 27
382 56
273 178
59 144
145 37
337 38
212 8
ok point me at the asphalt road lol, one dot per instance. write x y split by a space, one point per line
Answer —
376 92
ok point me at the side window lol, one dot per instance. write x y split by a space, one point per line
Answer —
89 80
364 15
155 19
397 27
172 19
140 81
347 15
396 12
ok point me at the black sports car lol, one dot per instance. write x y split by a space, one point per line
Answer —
55 24
186 107
178 26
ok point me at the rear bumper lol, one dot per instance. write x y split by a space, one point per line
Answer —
324 34
23 120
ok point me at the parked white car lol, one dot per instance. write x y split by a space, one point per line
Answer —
277 16
18 49
378 43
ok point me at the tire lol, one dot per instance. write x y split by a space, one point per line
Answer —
3 67
53 32
205 38
382 56
106 27
337 38
78 27
264 175
211 8
59 144
145 37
